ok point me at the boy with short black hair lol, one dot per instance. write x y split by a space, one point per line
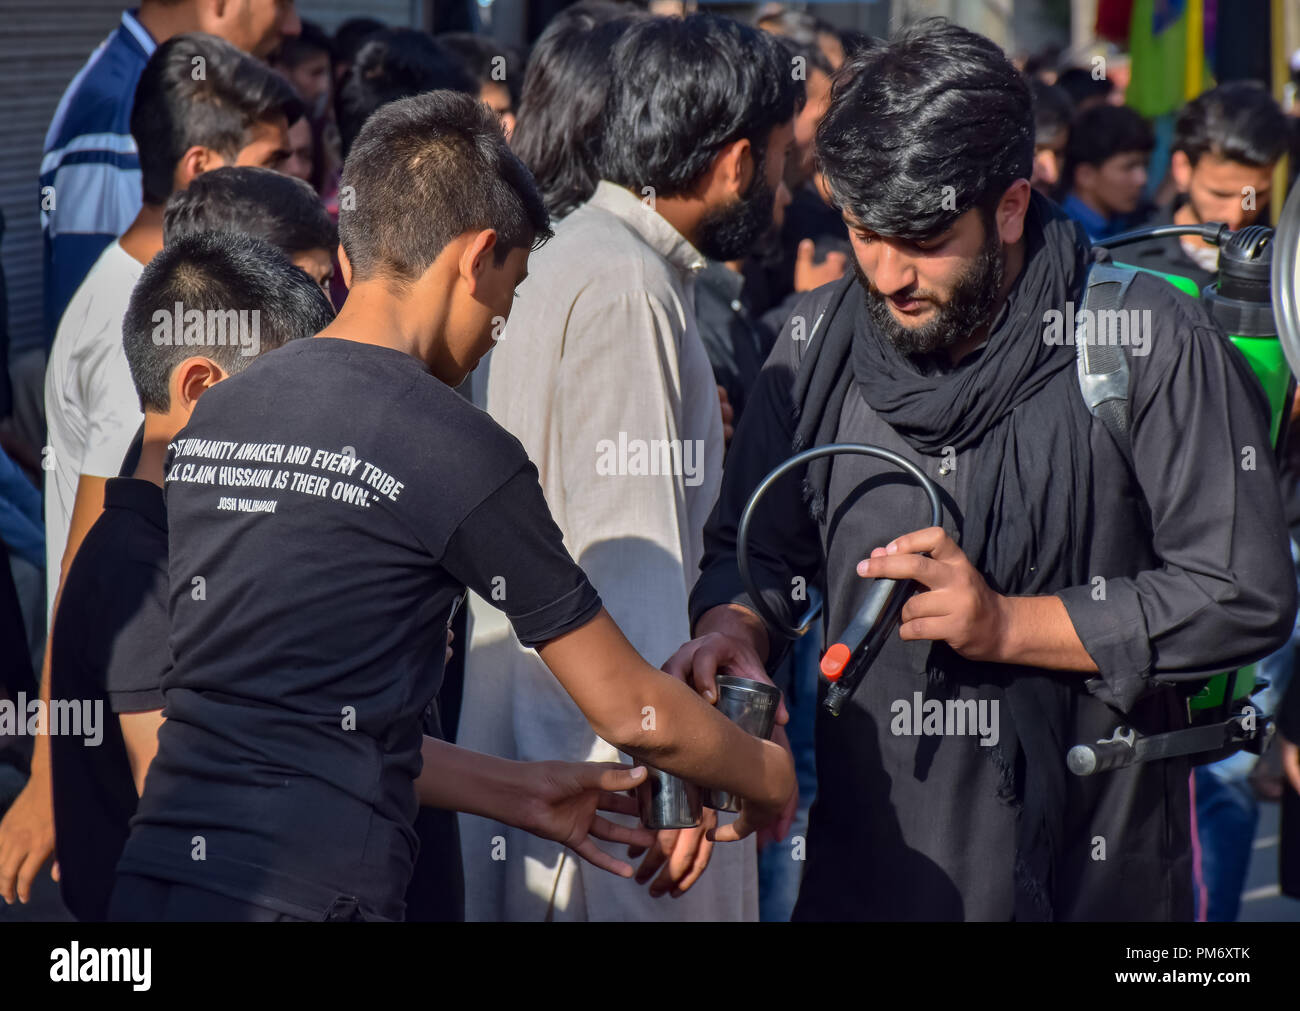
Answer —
333 534
1106 169
110 644
269 205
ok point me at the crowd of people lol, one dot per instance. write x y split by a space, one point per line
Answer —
347 331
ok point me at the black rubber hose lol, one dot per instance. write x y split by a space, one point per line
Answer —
834 449
1212 231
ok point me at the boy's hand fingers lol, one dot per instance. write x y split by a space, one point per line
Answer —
611 777
603 828
618 803
593 854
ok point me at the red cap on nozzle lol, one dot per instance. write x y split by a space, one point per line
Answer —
834 662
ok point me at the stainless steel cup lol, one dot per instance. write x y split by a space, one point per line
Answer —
668 802
751 705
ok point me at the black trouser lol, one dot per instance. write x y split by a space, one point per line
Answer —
138 899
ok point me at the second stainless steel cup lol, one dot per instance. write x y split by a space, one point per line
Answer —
751 705
668 802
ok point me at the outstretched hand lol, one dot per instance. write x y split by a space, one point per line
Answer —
563 798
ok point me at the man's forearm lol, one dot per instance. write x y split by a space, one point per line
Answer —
1037 632
659 720
458 779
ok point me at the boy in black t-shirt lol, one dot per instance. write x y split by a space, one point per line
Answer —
110 643
326 509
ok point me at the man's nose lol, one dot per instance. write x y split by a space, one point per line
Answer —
894 270
1047 171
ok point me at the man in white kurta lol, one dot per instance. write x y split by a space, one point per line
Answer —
602 375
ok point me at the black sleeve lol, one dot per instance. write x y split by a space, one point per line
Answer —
1225 594
137 625
785 546
509 551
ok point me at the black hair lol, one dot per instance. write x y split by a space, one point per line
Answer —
1102 132
217 275
395 63
683 89
351 35
853 41
1079 84
282 210
199 90
1052 110
924 127
425 170
306 44
1238 121
479 56
561 111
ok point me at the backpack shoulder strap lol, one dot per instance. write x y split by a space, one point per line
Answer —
1103 367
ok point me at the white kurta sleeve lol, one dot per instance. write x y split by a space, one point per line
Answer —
625 463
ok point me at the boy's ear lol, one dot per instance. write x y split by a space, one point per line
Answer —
191 378
1180 167
195 162
345 267
477 256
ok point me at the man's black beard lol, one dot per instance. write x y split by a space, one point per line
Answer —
969 307
732 232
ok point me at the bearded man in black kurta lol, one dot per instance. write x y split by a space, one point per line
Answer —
1069 591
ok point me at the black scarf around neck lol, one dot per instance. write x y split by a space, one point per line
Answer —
1025 517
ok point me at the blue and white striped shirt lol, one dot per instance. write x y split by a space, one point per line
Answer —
90 172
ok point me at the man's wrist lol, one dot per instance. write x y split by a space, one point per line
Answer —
1037 632
738 622
515 795
1008 630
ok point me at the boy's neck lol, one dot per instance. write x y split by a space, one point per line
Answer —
374 314
144 239
159 430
